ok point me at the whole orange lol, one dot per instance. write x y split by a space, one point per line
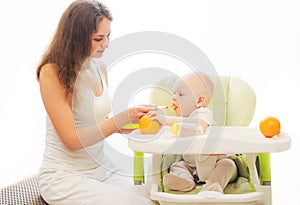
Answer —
148 126
269 126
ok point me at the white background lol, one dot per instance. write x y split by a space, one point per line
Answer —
256 40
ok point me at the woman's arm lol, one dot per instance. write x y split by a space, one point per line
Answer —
60 112
58 107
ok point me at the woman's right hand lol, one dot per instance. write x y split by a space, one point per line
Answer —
135 113
132 115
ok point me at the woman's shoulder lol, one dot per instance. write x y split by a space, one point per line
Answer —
48 71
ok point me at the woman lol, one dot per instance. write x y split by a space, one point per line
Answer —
73 87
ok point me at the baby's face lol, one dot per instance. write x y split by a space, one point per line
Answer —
184 98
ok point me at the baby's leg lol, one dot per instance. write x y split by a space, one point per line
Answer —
224 172
205 164
180 177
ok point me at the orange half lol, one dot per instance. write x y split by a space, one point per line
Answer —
148 126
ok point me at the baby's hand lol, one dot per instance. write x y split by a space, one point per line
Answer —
157 115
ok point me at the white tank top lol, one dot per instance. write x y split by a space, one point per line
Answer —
88 110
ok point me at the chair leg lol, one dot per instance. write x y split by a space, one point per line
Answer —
138 175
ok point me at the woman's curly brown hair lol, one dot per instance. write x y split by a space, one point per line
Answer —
71 44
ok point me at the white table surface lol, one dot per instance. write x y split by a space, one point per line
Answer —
217 140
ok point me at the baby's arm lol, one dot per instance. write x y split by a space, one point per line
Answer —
170 120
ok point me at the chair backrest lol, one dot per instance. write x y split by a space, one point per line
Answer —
233 102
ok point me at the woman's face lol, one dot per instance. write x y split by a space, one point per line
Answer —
100 39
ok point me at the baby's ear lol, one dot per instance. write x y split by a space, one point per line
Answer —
200 101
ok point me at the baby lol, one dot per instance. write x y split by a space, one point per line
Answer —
192 94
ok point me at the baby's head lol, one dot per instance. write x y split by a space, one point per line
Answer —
191 92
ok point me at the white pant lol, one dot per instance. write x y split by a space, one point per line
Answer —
85 188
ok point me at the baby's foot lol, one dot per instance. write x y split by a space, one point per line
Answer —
178 183
212 187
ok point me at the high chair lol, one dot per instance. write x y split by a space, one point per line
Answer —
234 101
